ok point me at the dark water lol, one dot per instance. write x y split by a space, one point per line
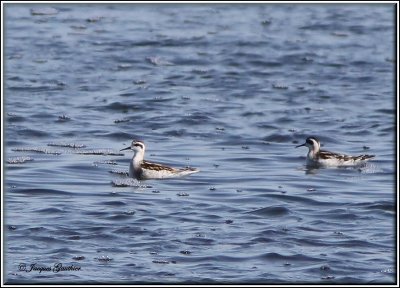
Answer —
229 89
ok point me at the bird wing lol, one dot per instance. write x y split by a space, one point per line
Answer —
157 167
327 155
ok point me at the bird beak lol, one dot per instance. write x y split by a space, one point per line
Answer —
127 148
304 144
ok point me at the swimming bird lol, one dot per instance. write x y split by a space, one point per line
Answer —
143 170
318 157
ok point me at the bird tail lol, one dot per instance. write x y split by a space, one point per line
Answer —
188 171
365 157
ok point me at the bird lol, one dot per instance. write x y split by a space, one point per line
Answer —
144 170
321 158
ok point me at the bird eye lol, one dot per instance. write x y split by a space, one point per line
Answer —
138 145
309 141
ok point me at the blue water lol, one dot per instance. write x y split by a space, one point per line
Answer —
229 89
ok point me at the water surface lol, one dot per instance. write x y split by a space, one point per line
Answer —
229 89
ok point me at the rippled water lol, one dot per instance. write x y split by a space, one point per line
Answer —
228 89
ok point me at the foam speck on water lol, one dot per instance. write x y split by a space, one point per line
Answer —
67 145
19 160
37 150
120 172
128 182
100 152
